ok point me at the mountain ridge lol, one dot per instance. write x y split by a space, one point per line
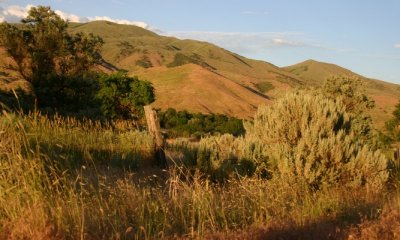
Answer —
202 77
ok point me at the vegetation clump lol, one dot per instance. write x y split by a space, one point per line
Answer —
305 139
61 68
185 124
123 97
264 87
392 126
41 46
309 140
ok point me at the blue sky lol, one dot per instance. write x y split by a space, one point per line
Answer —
361 35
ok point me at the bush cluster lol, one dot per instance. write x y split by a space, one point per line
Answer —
304 138
185 124
95 96
60 67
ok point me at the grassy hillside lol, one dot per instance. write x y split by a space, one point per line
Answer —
314 73
386 95
189 74
201 77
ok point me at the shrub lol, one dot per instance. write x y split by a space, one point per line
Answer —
350 91
69 95
304 139
181 59
264 86
392 126
124 97
308 139
224 155
183 123
16 100
144 62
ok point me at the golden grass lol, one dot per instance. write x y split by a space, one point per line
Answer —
65 179
47 193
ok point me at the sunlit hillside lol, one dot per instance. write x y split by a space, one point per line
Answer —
201 77
385 94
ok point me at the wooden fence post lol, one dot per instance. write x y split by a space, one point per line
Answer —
153 126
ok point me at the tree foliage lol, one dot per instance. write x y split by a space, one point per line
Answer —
41 46
124 97
69 95
183 123
59 66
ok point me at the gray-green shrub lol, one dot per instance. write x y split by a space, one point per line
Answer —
304 138
309 140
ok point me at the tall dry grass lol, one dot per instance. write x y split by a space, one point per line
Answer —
65 179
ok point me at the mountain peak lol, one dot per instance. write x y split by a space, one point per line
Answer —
107 29
314 72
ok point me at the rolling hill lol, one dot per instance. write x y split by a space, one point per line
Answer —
201 77
386 95
189 74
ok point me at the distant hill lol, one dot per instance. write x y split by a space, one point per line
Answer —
192 75
386 95
314 73
201 77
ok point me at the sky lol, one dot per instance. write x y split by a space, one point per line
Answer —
361 35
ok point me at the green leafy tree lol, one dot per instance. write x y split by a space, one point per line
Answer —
393 125
124 97
70 95
43 49
183 123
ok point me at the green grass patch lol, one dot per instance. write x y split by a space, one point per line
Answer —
264 87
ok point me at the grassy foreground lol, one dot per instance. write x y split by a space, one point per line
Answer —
64 179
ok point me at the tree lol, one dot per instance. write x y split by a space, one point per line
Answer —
124 97
42 48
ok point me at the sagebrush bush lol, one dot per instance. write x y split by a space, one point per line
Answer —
308 140
305 139
351 92
224 155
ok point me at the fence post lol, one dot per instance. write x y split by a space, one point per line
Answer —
153 126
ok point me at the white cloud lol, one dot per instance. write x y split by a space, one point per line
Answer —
16 13
248 43
119 21
397 45
286 42
255 43
69 17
